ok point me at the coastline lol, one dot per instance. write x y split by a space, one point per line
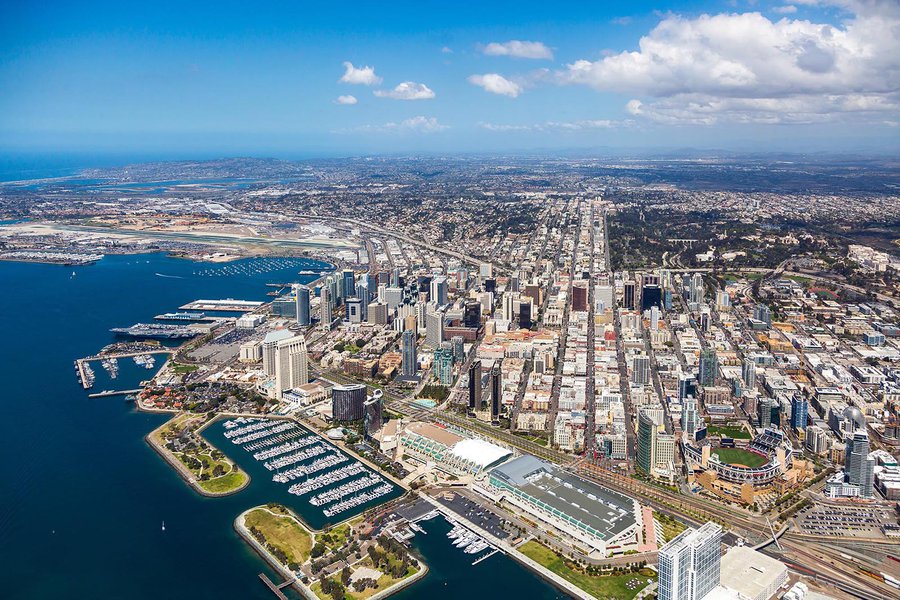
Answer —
181 469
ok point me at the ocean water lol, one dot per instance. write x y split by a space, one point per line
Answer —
83 497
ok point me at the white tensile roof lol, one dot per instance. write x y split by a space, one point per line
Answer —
479 452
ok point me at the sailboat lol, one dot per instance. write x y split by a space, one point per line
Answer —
163 525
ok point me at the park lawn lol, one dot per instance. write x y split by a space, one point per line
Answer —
599 586
284 533
383 583
226 483
740 457
336 537
183 369
738 433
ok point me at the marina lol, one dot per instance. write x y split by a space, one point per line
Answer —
304 471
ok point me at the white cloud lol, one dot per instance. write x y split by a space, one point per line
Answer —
519 49
408 90
496 84
347 100
447 50
746 68
360 76
419 124
787 9
621 21
584 125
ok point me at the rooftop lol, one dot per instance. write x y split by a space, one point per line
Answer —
749 572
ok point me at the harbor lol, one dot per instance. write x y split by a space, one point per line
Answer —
226 305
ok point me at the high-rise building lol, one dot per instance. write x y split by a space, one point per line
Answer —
326 306
651 295
687 386
525 310
690 564
510 306
472 314
496 387
439 290
748 373
348 402
291 364
690 417
646 442
475 386
799 412
395 277
302 297
377 313
373 413
859 467
458 343
434 327
348 283
695 289
353 308
579 296
654 318
762 314
442 365
640 370
629 300
409 365
268 348
709 367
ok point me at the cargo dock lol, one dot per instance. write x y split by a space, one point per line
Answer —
228 304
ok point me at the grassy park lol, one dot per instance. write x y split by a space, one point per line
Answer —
283 535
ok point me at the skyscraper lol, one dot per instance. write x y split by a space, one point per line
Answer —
628 301
496 388
472 314
695 289
690 564
353 310
640 373
348 283
859 467
748 373
373 413
348 402
799 412
442 365
434 327
325 307
408 347
709 367
475 386
687 386
291 364
690 417
439 290
651 295
762 313
302 294
268 348
646 442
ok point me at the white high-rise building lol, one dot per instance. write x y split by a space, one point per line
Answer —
434 328
268 348
291 364
690 564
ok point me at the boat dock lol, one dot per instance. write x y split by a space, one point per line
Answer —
496 550
107 393
82 367
276 589
229 304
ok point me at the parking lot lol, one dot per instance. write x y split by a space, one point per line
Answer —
475 513
844 521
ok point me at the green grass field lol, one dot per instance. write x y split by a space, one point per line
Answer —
282 532
225 483
736 456
605 586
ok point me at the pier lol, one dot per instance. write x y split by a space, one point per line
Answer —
276 589
82 363
229 305
107 393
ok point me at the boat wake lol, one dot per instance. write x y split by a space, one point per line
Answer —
169 276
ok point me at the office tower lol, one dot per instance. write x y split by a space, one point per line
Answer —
377 313
326 307
859 467
764 409
646 442
291 364
302 298
409 365
393 297
373 410
709 367
383 278
799 413
353 310
284 307
815 439
485 270
439 290
579 296
651 295
696 291
533 291
510 304
525 309
628 301
459 348
395 277
604 297
667 299
348 283
690 417
687 386
434 327
654 318
410 322
514 282
748 373
640 370
762 313
689 565
490 285
472 314
723 300
348 402
268 349
496 387
475 386
442 365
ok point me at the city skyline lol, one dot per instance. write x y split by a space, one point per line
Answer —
813 75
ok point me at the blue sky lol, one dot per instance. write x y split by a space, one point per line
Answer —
231 78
